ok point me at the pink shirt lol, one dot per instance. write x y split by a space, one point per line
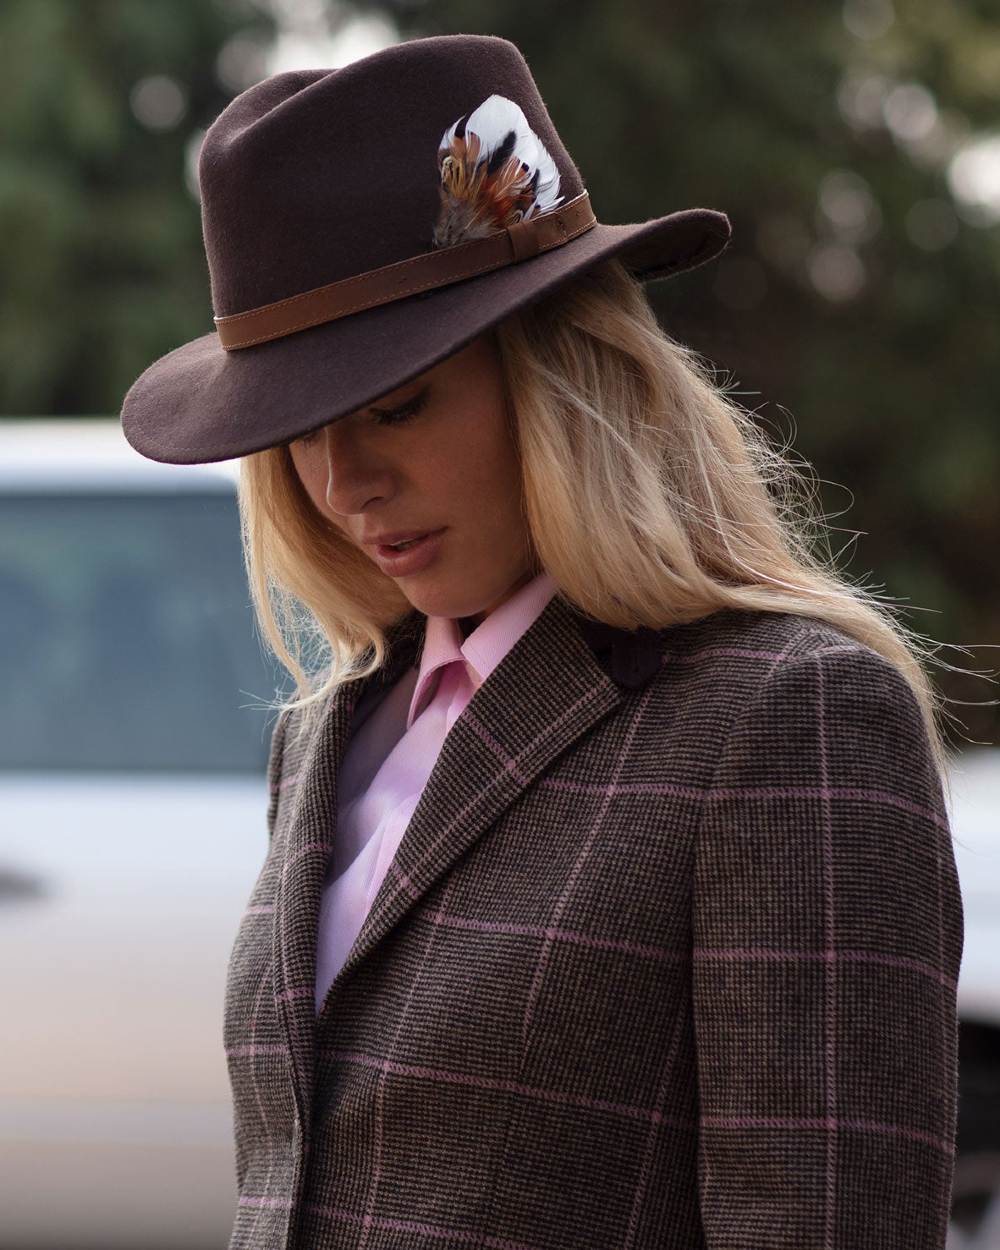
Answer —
374 804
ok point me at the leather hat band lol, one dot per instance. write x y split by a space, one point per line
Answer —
514 243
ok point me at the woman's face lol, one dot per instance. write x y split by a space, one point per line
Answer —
446 462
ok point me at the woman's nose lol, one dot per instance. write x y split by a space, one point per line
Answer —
354 472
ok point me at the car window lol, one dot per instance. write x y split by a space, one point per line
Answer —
126 635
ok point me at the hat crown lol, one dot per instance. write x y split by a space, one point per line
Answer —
313 176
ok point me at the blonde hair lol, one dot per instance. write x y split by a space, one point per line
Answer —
651 498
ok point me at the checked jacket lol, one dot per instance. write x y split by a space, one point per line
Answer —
667 957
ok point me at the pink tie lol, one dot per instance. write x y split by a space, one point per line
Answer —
454 690
398 784
386 805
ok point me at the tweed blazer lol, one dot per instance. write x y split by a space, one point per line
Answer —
667 957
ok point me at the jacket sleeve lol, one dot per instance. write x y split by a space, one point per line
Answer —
828 933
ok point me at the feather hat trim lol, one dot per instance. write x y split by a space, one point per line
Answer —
495 171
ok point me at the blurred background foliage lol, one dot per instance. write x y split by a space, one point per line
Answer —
855 147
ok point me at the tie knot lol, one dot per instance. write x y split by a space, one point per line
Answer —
452 685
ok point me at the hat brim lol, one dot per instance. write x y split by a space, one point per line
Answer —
201 403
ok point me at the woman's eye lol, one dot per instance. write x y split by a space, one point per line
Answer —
395 416
383 416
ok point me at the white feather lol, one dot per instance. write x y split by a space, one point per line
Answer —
492 121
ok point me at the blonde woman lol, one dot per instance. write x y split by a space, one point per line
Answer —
610 898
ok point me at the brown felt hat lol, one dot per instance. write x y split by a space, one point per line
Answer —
361 224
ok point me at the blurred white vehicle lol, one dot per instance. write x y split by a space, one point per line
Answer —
132 827
975 780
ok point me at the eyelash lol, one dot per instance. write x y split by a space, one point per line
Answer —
390 416
396 416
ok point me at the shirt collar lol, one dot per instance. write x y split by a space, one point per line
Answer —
485 646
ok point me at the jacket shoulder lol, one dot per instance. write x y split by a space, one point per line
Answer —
723 655
721 663
781 634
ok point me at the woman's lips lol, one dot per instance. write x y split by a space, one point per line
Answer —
413 559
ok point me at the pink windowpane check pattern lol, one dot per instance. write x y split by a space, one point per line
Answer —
665 967
390 756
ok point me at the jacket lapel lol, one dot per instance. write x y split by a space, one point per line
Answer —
309 840
546 692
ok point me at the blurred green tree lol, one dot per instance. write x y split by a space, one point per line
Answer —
103 103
